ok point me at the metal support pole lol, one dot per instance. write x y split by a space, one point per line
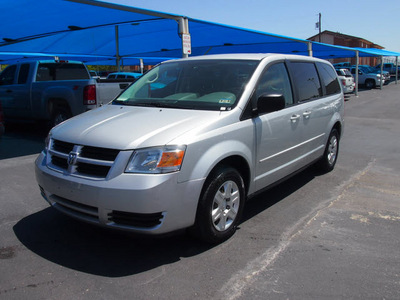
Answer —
117 57
309 49
381 85
397 68
183 24
141 65
357 56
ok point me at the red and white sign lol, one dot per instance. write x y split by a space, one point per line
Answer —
186 44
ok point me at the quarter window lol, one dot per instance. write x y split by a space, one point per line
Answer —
329 78
307 81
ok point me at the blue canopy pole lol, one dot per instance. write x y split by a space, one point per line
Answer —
117 57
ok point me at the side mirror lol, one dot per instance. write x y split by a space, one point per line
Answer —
267 103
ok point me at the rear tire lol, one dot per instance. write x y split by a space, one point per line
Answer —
328 160
220 206
370 84
59 115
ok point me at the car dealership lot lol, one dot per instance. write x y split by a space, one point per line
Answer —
312 237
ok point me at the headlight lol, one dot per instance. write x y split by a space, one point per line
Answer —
156 160
47 142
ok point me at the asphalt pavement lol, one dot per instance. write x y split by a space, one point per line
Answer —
331 236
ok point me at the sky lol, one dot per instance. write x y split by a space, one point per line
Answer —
375 21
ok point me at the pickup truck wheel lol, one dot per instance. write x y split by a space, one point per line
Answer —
59 115
369 84
328 160
220 206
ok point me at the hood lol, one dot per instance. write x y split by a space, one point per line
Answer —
131 127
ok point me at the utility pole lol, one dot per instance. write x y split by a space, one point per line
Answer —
319 27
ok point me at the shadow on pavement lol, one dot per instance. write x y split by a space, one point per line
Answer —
94 250
22 139
90 249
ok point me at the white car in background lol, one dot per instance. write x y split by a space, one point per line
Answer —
347 80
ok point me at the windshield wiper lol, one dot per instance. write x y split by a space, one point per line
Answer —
156 104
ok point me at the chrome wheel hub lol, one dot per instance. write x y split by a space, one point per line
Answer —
225 205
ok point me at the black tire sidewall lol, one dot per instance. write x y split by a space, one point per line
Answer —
324 164
204 227
369 84
57 112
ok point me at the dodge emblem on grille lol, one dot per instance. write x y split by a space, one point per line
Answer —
72 158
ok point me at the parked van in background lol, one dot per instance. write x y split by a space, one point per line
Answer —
191 140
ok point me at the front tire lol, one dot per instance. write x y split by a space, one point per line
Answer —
220 206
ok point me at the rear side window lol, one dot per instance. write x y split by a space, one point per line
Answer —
329 78
23 74
307 81
61 71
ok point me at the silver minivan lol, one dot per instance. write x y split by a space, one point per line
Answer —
190 141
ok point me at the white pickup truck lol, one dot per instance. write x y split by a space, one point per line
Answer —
53 90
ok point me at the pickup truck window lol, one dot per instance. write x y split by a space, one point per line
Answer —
23 74
61 71
7 76
186 84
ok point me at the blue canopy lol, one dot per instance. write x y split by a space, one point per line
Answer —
100 33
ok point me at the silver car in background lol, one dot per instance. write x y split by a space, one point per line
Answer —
191 140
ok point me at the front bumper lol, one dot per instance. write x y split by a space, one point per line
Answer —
348 89
144 203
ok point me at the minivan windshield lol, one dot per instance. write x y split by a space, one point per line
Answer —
191 84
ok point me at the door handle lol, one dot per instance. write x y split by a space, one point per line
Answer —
306 114
294 118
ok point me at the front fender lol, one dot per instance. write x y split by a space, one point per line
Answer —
201 157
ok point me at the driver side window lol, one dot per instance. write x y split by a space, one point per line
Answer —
7 76
276 81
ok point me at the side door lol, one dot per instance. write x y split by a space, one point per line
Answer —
277 133
318 93
7 81
15 91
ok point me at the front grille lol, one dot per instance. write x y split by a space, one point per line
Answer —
94 170
59 162
99 153
80 160
135 219
63 147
